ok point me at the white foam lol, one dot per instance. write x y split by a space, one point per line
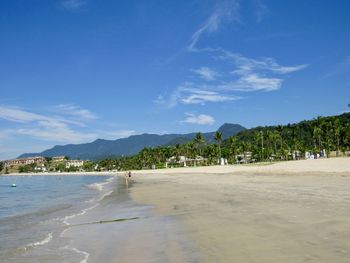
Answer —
104 195
46 240
97 186
100 186
83 212
84 253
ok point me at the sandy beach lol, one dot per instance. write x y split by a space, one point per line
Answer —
294 211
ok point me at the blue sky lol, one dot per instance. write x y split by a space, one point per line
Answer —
72 71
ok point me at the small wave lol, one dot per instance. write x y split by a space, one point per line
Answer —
84 253
46 240
83 212
101 185
97 186
104 195
110 179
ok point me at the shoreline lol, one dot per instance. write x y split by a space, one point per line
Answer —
338 165
63 174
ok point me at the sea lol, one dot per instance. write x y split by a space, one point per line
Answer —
84 219
36 214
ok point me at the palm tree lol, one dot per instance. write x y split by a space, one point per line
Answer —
199 141
259 140
317 136
218 139
337 132
275 136
233 146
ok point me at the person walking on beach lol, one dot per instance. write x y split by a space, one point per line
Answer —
126 179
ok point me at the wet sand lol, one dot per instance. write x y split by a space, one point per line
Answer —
119 230
299 214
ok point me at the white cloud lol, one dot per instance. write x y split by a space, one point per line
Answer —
75 111
245 64
189 93
203 96
44 127
160 100
73 4
256 74
200 119
206 73
227 10
17 115
62 134
245 74
253 82
261 10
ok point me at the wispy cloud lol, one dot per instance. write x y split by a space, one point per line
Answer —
17 115
227 10
196 96
201 119
241 74
73 4
206 73
62 134
50 128
256 74
253 82
261 10
74 111
245 64
189 93
244 75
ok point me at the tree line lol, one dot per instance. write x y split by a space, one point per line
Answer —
282 142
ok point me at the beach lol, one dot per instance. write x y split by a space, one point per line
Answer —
293 211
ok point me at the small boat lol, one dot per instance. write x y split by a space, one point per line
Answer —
13 185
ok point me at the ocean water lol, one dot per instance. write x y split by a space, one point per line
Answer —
35 215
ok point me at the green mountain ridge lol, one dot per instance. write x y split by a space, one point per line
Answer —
101 148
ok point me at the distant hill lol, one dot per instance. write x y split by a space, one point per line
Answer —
100 148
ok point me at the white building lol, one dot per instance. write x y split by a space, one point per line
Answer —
74 163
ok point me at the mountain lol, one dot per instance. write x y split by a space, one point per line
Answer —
101 148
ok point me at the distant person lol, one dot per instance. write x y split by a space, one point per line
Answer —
129 174
126 179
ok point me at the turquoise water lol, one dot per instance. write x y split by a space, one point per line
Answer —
34 214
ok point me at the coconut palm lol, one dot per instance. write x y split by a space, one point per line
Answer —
199 141
218 139
337 132
233 147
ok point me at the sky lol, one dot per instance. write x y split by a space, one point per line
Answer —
72 71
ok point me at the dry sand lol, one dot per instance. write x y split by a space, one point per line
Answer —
285 212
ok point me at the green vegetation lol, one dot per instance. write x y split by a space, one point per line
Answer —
269 143
26 168
260 144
